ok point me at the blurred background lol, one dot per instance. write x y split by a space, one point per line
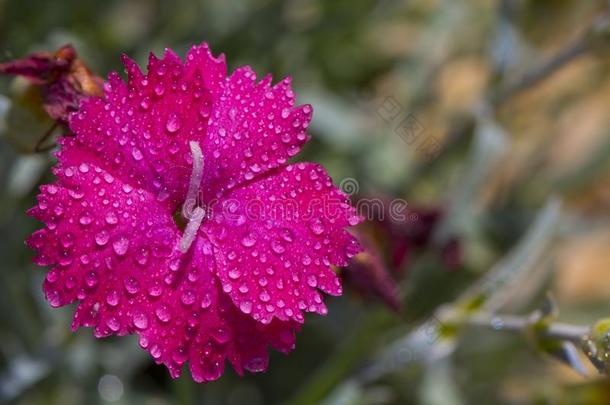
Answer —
489 118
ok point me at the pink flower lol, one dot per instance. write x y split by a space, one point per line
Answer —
176 216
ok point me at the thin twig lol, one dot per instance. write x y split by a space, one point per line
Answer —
520 324
542 72
574 50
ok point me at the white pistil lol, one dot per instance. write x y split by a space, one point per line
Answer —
191 229
190 211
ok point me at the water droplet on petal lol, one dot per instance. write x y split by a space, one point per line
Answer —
155 351
140 320
91 279
102 238
145 103
85 219
206 301
113 324
256 365
246 307
155 291
54 298
131 285
173 123
353 220
316 226
248 240
111 218
188 298
120 246
159 89
67 240
180 355
163 313
142 256
277 247
137 154
112 298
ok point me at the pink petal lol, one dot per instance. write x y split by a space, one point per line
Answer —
198 323
276 239
141 129
113 248
104 249
254 128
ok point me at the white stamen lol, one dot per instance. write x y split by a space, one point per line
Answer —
196 175
190 211
191 229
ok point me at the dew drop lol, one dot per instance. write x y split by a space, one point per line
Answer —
246 307
155 291
287 235
67 240
85 219
112 298
316 226
159 89
137 154
188 298
54 298
248 240
131 285
111 218
173 123
155 351
163 313
52 276
120 246
140 320
206 301
145 104
91 279
142 256
256 365
102 238
277 247
113 324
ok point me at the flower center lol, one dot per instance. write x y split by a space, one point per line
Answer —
190 211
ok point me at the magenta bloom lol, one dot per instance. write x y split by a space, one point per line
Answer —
176 216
